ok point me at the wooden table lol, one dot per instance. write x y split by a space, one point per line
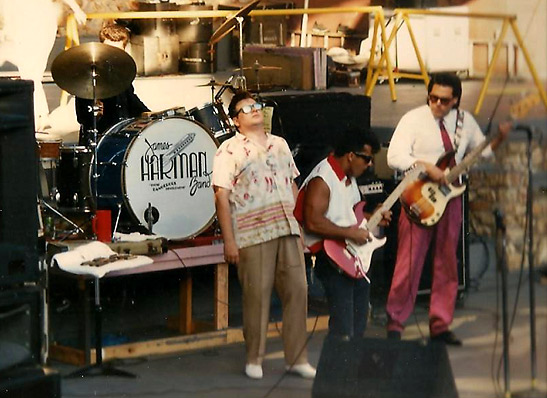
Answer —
175 258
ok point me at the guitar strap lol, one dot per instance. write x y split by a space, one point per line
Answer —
458 129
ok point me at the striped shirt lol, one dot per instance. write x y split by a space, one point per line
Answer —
260 183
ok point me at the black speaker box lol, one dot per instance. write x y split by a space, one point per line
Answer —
30 382
378 368
310 122
20 327
18 184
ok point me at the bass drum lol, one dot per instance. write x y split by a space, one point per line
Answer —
158 172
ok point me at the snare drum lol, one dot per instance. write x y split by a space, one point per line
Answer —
49 153
73 190
213 117
159 172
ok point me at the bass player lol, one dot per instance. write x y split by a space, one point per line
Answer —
421 137
325 209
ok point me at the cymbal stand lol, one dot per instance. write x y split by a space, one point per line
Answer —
94 144
240 81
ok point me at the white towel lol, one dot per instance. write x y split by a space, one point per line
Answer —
133 237
72 260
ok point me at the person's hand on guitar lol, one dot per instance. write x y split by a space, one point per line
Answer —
358 235
503 131
434 173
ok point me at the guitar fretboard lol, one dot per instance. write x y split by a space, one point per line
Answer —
411 176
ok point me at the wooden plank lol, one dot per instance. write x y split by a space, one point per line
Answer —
69 355
177 344
221 296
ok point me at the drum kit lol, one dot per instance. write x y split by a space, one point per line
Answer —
153 172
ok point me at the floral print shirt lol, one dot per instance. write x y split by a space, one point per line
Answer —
260 180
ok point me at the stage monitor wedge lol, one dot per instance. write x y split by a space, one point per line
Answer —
379 368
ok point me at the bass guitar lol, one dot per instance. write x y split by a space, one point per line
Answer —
354 259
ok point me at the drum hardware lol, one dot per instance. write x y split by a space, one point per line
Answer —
118 214
151 215
227 27
257 68
227 84
77 228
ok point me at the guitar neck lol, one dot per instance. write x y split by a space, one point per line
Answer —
375 219
467 161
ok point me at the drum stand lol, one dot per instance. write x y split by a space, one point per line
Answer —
99 368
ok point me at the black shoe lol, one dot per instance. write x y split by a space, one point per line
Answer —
393 335
448 338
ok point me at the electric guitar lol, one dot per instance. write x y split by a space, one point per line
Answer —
425 201
354 259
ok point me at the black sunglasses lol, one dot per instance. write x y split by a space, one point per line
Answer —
435 99
365 157
249 108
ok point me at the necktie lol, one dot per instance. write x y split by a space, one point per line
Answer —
446 138
446 142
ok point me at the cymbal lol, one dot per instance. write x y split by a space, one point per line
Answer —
74 68
213 83
257 67
231 22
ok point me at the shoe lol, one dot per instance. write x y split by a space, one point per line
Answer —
254 371
448 338
394 335
304 370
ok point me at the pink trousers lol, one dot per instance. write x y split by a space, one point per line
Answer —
413 244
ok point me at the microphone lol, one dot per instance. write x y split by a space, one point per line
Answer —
223 88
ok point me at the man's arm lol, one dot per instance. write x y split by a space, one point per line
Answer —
224 215
79 14
316 204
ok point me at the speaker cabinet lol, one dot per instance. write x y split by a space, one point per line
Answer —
310 122
378 368
21 325
31 382
18 184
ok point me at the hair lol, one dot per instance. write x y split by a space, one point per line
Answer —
236 99
353 140
114 32
447 79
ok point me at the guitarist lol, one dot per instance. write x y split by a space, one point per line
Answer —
324 208
421 137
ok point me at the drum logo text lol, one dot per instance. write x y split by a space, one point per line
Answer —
174 165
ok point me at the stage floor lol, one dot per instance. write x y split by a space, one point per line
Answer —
218 372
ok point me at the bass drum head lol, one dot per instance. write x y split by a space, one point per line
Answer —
167 178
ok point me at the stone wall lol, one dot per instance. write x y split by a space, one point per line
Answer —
502 183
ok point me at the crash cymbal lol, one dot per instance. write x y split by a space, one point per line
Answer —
213 83
74 68
231 22
257 67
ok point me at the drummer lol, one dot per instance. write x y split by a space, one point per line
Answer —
114 109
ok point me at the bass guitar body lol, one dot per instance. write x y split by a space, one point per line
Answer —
425 201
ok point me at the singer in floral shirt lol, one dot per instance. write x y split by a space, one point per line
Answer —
253 178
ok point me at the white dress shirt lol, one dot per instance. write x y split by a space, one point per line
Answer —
418 137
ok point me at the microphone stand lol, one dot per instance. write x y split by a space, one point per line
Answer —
533 392
501 245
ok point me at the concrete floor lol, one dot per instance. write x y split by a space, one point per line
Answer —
218 372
